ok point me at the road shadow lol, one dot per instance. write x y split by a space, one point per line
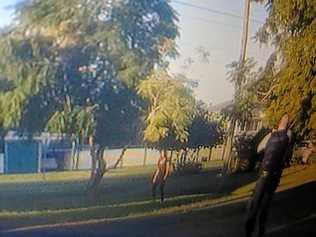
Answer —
289 216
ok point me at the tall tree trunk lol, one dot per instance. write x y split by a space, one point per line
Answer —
98 172
93 163
101 168
73 154
77 157
75 150
229 146
78 149
145 156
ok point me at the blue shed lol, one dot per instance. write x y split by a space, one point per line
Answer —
22 155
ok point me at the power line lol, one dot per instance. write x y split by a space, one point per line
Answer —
211 21
215 11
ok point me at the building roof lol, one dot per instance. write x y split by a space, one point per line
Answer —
228 106
219 107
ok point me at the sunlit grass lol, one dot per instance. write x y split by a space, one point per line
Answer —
28 200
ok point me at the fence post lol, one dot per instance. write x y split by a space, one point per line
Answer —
210 154
145 156
223 151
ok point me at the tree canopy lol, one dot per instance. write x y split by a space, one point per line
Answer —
288 84
73 67
171 108
242 75
71 55
206 129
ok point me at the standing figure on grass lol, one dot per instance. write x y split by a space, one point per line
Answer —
160 175
277 153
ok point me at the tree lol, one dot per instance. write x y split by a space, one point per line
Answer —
171 108
205 131
289 85
74 122
174 120
63 57
243 76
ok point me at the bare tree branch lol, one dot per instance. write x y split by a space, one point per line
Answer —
268 93
118 160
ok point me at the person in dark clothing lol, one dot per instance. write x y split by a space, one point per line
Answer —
277 153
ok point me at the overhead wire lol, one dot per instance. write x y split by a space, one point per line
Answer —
202 19
211 21
215 11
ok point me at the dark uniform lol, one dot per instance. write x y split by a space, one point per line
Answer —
277 153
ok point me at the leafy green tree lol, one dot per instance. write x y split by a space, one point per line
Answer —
289 84
171 108
243 76
174 120
74 122
62 57
205 131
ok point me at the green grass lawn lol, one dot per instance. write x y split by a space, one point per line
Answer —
60 197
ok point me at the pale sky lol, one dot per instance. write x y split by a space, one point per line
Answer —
200 26
221 36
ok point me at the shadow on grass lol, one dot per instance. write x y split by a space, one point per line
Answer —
119 196
287 218
24 204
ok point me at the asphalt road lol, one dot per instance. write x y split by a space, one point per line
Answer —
293 213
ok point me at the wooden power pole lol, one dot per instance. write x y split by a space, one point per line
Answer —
244 41
244 38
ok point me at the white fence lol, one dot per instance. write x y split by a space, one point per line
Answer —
132 157
1 163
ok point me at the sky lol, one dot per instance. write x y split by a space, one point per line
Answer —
218 34
6 11
221 36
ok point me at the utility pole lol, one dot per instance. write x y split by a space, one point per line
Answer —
244 41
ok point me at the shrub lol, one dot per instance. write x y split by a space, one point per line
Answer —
246 149
189 167
305 153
